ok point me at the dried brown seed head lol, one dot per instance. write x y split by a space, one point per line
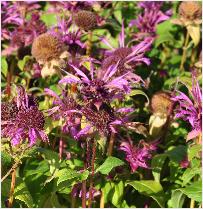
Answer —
85 20
47 47
190 10
161 103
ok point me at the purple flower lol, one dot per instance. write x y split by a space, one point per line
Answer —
191 109
70 36
65 108
22 31
99 87
146 23
138 155
129 57
22 120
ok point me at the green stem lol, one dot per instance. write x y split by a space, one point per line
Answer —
89 43
184 51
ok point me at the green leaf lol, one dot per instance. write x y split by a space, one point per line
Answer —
4 66
157 164
118 194
189 174
166 37
118 15
176 154
193 151
52 158
150 188
49 19
22 193
136 92
67 174
194 191
109 164
177 199
6 159
21 63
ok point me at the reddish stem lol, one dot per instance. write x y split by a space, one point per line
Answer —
13 182
92 174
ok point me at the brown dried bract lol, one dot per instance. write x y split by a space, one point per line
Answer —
85 20
46 47
190 10
161 103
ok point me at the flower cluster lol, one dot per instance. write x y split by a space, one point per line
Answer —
21 119
146 23
138 155
23 30
191 109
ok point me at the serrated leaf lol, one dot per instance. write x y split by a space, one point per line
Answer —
150 188
4 65
157 164
193 151
177 199
68 174
194 191
22 193
109 164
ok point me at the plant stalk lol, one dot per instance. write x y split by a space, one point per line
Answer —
92 174
111 143
184 51
13 182
192 203
102 200
89 43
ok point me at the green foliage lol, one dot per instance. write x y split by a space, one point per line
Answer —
193 191
22 193
109 164
4 66
150 188
177 199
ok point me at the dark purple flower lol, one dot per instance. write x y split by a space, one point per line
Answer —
22 120
70 36
146 23
138 155
191 109
129 57
65 108
101 87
